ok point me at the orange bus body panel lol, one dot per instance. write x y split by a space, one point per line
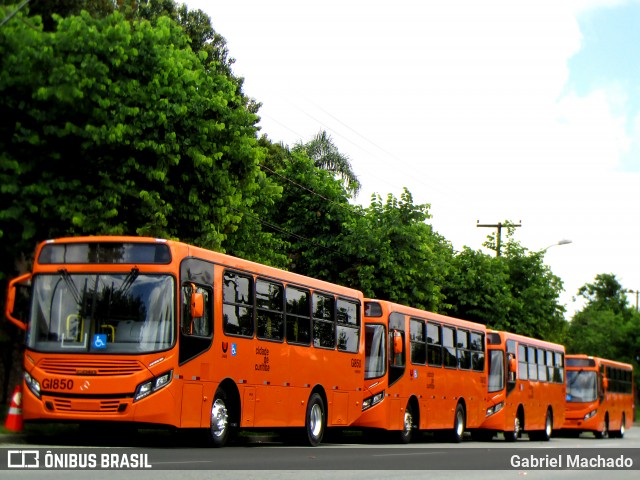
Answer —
272 379
610 411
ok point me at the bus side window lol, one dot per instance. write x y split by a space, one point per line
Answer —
196 313
323 311
434 345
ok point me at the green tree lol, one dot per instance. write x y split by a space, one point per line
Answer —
327 156
116 127
516 291
393 254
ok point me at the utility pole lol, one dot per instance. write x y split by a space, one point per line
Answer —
499 227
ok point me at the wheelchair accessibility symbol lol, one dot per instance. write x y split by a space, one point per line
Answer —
99 341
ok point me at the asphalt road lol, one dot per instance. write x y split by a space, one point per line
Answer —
350 456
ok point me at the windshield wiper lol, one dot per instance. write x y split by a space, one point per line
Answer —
70 285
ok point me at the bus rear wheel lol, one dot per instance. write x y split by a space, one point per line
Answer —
316 420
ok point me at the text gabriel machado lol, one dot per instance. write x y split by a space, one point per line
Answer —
570 461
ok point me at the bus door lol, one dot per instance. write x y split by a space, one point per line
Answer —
397 371
196 336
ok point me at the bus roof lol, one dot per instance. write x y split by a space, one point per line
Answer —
534 342
184 250
389 307
600 361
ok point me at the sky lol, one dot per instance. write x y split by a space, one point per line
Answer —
502 110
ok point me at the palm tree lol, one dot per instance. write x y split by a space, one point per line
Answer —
326 156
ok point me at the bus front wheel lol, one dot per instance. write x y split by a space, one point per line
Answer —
220 428
316 419
517 426
407 428
457 432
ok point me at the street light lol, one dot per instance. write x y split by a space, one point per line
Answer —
564 241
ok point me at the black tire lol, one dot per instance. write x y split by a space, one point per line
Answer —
315 420
619 433
600 434
219 431
404 436
545 435
459 422
512 436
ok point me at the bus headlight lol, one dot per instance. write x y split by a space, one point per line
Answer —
371 401
494 409
150 386
33 384
590 414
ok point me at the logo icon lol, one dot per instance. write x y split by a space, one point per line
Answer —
233 350
23 459
100 341
225 347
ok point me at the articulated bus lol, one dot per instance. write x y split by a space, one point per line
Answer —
599 396
423 371
526 387
157 332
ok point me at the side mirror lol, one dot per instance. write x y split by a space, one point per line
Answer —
605 384
513 365
11 299
398 347
197 305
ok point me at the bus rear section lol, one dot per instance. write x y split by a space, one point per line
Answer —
142 331
526 387
423 372
599 396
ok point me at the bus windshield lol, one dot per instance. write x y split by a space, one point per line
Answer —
581 386
101 313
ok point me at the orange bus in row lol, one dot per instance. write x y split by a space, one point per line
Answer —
599 396
423 371
526 387
156 332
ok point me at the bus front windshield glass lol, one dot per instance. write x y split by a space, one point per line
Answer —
101 313
581 386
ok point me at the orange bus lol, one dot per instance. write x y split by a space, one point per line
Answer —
423 371
157 332
526 387
599 396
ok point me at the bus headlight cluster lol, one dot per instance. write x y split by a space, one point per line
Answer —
33 384
371 401
590 414
494 409
150 386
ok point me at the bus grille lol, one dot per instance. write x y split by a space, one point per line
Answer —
98 406
61 366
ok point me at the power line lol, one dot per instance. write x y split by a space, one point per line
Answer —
347 207
282 230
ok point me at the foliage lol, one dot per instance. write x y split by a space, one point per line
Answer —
326 156
121 132
515 291
394 254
